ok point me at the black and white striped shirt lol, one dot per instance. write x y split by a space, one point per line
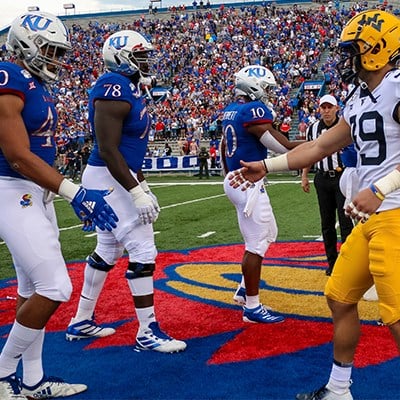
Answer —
330 163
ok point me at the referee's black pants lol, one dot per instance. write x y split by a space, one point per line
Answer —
331 201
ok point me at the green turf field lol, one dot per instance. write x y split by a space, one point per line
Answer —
195 213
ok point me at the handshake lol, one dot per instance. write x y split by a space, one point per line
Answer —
92 209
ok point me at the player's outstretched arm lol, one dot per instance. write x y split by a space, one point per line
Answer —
300 157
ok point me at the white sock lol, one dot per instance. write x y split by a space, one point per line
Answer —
32 365
19 339
145 317
339 380
252 301
141 286
92 286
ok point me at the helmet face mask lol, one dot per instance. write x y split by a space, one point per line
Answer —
40 41
128 52
256 82
349 65
369 41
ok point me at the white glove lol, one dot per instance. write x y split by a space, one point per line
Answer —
147 190
144 204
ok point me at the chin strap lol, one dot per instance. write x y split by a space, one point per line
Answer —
365 88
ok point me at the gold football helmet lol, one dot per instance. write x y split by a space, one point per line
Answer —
370 40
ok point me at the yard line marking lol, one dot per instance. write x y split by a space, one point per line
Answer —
70 227
207 234
91 234
193 201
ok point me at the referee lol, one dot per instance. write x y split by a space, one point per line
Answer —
326 182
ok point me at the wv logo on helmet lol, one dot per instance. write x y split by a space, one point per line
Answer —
373 22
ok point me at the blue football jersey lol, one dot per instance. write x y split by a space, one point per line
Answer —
241 145
136 126
39 113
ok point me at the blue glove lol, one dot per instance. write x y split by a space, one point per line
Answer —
349 156
88 226
90 205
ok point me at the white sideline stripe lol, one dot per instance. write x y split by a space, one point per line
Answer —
207 234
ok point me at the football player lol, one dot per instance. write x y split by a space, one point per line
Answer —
28 121
370 49
247 135
120 122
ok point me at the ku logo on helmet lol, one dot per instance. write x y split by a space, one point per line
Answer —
118 42
256 72
36 22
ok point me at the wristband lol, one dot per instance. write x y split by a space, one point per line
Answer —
388 183
68 190
144 186
279 163
265 166
376 192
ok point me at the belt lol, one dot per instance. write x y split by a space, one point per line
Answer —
329 174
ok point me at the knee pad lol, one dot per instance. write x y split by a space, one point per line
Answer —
138 270
96 262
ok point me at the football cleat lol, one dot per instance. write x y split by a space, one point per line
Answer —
260 315
240 296
86 329
324 393
50 387
10 388
153 338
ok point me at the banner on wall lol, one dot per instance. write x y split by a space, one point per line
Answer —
170 163
178 163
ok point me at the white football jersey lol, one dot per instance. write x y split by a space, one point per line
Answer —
375 129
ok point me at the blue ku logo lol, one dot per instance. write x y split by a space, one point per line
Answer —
118 42
36 22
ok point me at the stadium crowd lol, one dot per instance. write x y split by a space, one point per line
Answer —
197 56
